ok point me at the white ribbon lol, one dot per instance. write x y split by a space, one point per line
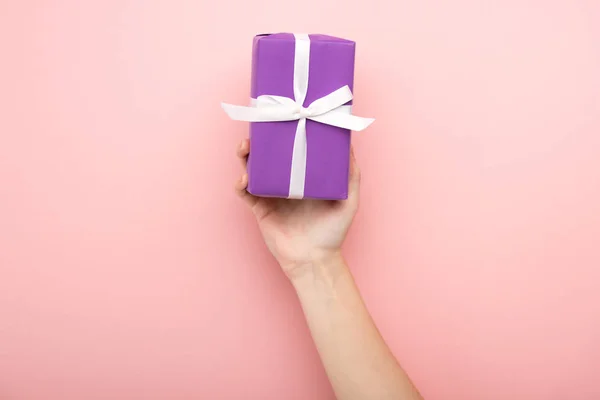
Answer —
328 110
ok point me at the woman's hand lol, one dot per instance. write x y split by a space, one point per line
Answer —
301 233
305 236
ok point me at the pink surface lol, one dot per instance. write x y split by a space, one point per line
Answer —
129 270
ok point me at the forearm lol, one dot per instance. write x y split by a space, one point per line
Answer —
359 364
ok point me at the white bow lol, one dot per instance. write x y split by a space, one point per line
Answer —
329 109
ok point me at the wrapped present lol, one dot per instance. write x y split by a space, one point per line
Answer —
300 116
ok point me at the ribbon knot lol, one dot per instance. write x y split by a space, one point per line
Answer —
303 112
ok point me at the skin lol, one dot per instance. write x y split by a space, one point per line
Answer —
305 237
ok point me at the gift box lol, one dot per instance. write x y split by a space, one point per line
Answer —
300 116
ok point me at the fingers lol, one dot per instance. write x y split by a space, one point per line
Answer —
354 170
354 184
243 150
240 189
240 186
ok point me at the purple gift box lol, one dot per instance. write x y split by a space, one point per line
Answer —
284 153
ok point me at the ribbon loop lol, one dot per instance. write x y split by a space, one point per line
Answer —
330 102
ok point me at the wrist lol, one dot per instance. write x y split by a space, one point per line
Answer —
320 267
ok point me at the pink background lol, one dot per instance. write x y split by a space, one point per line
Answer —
129 270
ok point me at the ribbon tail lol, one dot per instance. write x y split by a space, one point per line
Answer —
239 113
344 120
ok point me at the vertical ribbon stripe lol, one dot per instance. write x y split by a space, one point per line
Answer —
299 152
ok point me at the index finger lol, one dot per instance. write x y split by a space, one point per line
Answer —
243 150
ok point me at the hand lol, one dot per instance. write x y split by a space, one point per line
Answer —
301 233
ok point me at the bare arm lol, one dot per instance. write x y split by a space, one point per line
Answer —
358 362
305 237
